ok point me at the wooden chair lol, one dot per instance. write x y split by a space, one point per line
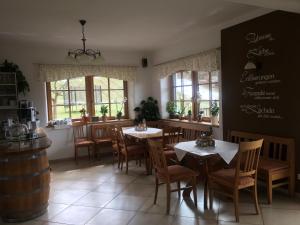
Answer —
115 144
189 134
129 150
277 160
229 181
170 136
101 135
165 174
80 139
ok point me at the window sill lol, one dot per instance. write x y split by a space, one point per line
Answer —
193 122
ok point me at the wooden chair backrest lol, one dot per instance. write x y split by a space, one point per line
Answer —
155 124
120 137
248 158
190 134
274 148
101 131
78 130
170 135
158 156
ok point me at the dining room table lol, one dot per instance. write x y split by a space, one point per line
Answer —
142 136
223 149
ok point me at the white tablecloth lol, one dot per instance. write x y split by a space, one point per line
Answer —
149 133
226 150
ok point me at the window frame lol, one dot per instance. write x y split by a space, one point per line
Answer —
90 103
195 90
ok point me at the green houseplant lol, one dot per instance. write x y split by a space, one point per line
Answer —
214 110
23 85
147 110
104 111
181 112
171 109
120 111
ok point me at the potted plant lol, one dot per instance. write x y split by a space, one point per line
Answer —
181 112
120 111
83 114
147 110
104 111
171 109
200 116
214 110
190 115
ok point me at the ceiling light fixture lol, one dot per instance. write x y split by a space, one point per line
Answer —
84 56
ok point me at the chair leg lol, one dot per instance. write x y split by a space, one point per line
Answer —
211 199
156 190
122 161
254 194
119 160
236 204
178 187
291 186
269 189
126 164
168 189
76 154
89 152
205 192
195 191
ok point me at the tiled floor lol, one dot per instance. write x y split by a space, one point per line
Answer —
99 194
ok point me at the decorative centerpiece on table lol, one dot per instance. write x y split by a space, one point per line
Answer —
141 126
104 111
120 111
199 119
84 116
205 139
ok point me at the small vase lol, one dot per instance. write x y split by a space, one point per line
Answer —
214 120
190 118
104 118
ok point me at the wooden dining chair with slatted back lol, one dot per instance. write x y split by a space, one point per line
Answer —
229 181
165 174
115 144
101 135
81 140
170 136
129 150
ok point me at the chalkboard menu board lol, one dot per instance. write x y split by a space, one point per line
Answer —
261 76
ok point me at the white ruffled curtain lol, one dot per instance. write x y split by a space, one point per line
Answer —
205 61
50 72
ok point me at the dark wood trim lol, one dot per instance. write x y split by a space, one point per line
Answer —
89 87
49 100
126 109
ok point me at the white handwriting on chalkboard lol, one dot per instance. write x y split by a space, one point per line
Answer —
248 76
258 109
259 94
254 37
259 51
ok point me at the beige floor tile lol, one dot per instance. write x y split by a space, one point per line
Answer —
144 190
126 203
95 199
142 179
283 202
111 187
281 217
76 215
192 221
161 206
53 210
66 196
142 218
113 217
246 211
187 208
122 178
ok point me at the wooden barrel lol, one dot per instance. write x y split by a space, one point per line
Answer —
24 185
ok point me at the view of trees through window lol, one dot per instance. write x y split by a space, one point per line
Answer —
69 96
196 89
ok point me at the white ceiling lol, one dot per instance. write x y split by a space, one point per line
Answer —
142 25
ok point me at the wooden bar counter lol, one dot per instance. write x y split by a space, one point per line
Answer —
24 178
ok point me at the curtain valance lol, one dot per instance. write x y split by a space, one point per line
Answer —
52 72
205 61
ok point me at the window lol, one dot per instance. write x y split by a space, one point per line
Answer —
183 90
66 98
196 89
110 92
